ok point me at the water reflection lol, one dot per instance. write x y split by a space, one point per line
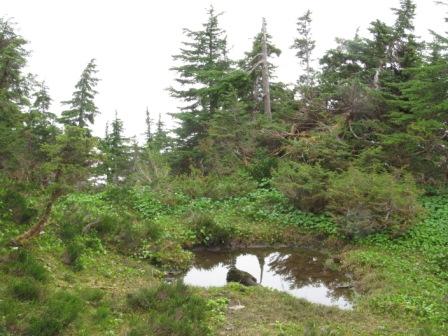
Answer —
298 272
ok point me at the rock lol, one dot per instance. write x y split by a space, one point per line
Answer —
244 278
237 307
337 260
344 286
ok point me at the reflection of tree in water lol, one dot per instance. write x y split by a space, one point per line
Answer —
298 267
207 260
305 268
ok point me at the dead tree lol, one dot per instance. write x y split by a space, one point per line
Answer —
265 72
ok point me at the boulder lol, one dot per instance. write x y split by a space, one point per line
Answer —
244 278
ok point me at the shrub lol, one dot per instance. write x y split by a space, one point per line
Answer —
325 148
207 231
73 253
16 207
197 185
174 310
167 254
26 289
262 165
304 185
93 295
62 309
102 313
367 203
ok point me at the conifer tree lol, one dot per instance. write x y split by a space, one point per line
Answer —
12 88
203 64
82 109
304 44
160 138
148 123
115 147
39 128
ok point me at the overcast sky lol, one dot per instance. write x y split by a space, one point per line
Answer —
133 41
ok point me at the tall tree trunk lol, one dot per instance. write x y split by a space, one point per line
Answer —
265 72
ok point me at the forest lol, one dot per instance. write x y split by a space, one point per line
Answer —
97 233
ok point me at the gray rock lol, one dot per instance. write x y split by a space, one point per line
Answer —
244 278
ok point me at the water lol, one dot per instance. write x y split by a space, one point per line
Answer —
298 272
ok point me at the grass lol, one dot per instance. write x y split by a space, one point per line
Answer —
174 310
269 312
402 282
407 278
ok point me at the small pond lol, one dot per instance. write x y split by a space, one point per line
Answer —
299 272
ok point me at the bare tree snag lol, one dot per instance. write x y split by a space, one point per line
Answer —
265 72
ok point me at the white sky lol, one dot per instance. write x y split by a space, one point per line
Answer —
133 42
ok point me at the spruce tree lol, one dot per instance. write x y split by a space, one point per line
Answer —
148 123
160 138
12 93
304 44
115 147
203 64
82 109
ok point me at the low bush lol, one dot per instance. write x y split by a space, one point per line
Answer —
62 309
92 295
23 263
15 207
262 165
73 253
304 185
324 148
367 203
207 231
102 313
174 310
216 187
166 254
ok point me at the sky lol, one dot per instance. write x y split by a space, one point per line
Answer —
133 42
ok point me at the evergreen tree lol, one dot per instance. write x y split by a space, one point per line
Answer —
304 44
203 66
82 105
148 132
160 138
116 162
12 93
39 129
70 159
